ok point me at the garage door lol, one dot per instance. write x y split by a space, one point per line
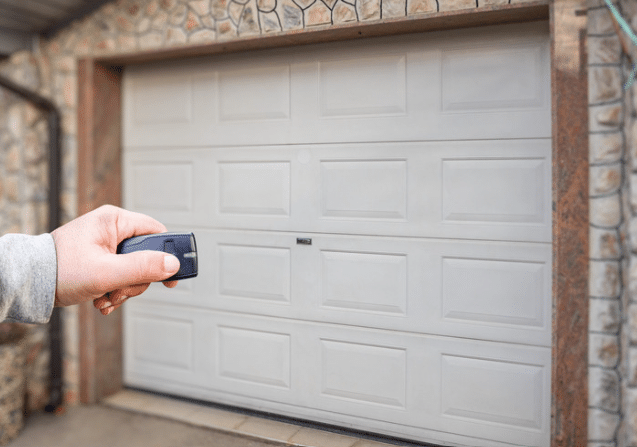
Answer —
374 227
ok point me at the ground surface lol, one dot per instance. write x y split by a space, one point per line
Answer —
100 426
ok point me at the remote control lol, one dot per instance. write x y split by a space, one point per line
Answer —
182 245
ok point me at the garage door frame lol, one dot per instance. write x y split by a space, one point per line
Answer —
99 182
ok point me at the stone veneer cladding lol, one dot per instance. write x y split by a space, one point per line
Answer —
129 26
613 230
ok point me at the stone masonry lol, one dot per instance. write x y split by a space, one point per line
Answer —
613 229
23 195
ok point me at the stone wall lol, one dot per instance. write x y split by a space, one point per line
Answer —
613 231
23 194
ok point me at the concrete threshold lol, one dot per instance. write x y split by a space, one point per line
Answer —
272 431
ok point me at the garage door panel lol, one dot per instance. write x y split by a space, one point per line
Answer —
341 94
384 369
364 189
257 272
364 282
487 389
483 290
491 78
260 188
163 344
477 190
494 291
163 186
469 382
169 107
474 389
494 190
254 356
436 87
254 94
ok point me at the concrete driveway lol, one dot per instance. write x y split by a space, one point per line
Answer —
101 426
135 419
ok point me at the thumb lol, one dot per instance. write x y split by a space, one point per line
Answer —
140 267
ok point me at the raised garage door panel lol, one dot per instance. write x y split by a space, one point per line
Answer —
417 172
483 290
484 390
476 84
498 189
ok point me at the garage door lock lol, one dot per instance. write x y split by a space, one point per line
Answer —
303 241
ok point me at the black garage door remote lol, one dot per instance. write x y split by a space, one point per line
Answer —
182 245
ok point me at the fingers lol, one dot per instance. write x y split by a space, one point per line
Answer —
111 301
171 284
141 267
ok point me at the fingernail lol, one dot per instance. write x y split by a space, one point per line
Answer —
107 311
121 299
171 263
105 305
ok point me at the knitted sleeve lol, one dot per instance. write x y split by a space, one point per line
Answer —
28 274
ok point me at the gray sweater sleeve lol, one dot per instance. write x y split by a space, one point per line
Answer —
28 275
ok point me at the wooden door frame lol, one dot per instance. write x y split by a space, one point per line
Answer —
99 182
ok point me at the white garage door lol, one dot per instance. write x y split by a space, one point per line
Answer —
374 227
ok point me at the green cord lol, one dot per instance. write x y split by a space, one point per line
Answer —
627 29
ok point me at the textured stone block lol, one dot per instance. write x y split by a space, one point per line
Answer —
15 121
421 6
606 147
143 25
248 24
599 19
219 9
604 244
368 9
603 350
604 84
393 8
150 41
127 43
630 416
201 7
603 389
605 179
604 315
318 14
178 16
453 5
226 29
602 426
343 13
604 279
12 188
605 211
266 5
159 21
13 162
290 14
175 36
606 117
202 36
604 50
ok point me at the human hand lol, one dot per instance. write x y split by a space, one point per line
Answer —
89 269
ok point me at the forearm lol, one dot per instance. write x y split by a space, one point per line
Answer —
28 273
